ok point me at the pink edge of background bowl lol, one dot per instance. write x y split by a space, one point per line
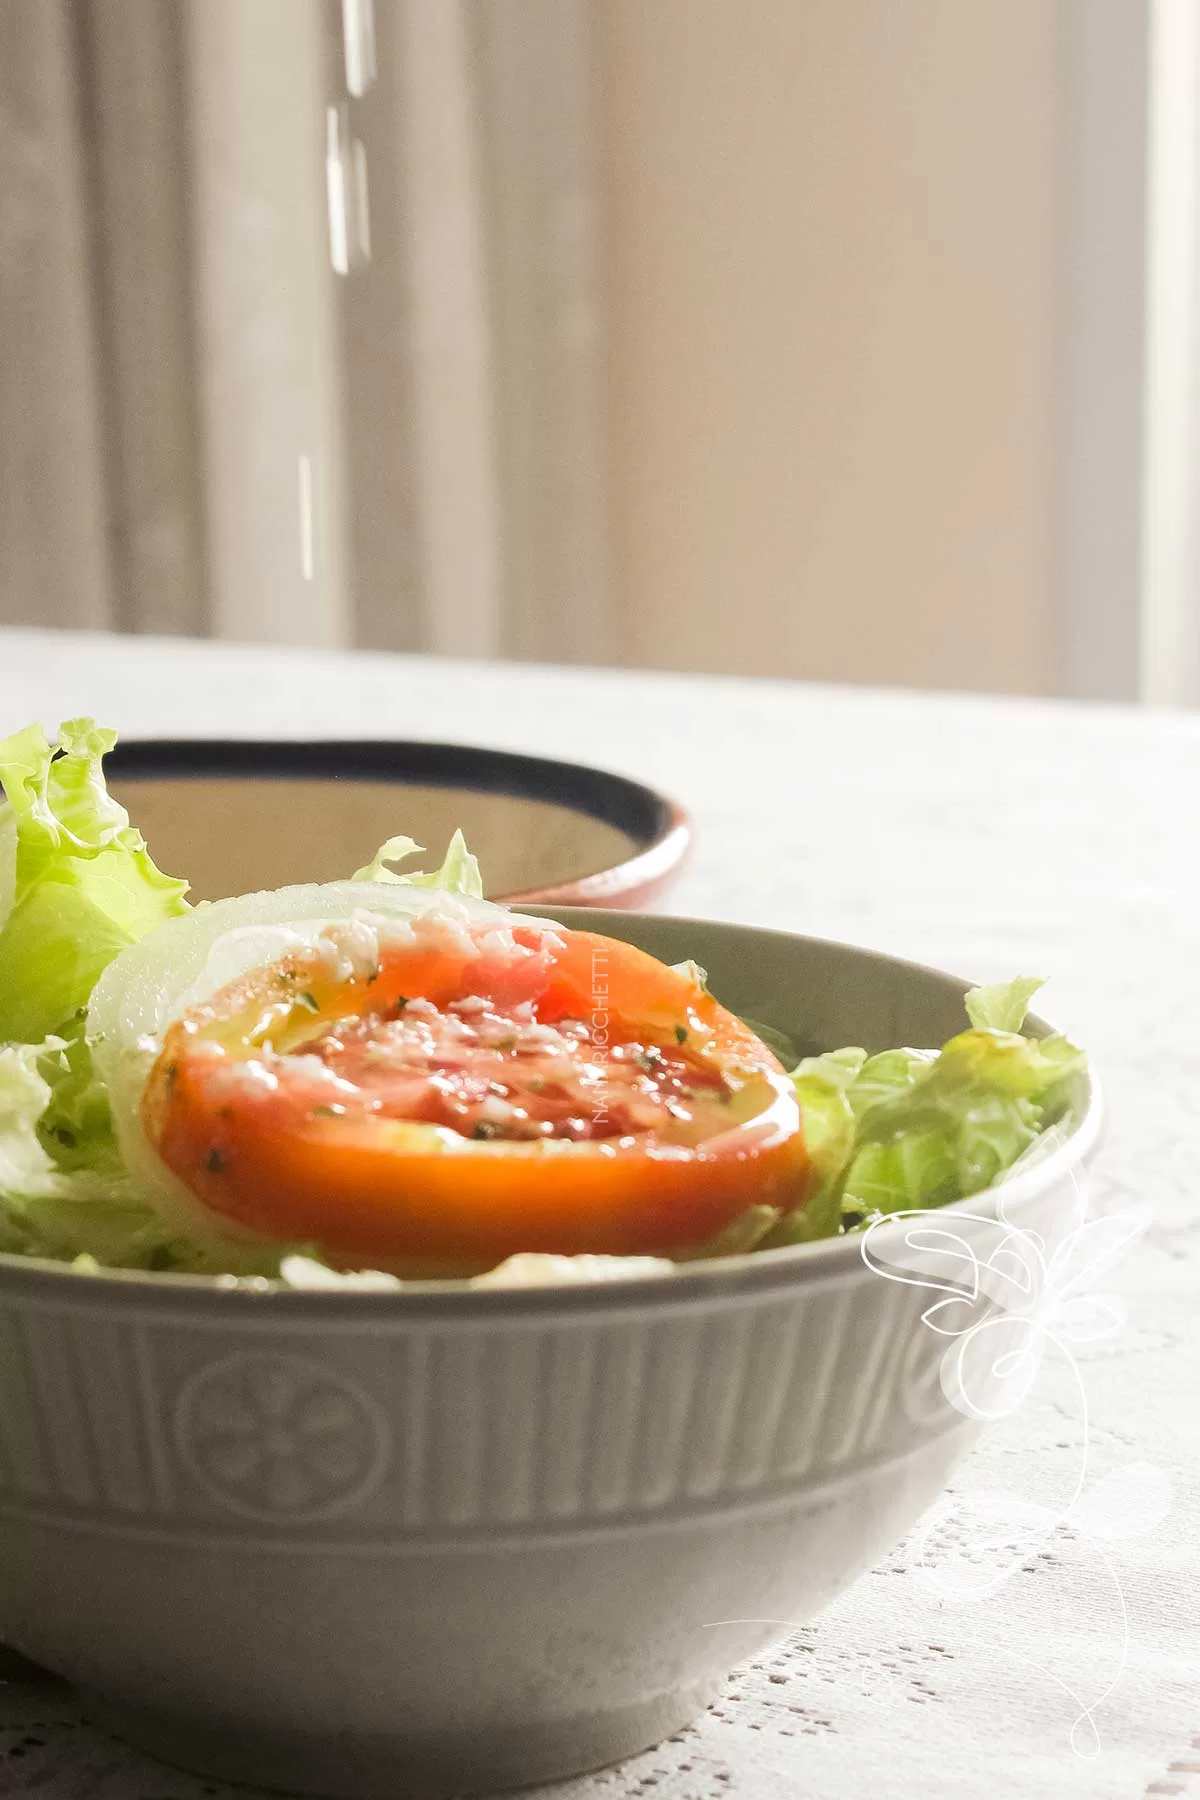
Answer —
630 884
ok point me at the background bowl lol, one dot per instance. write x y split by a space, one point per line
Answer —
225 814
454 1539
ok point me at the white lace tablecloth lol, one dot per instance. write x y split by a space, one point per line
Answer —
989 837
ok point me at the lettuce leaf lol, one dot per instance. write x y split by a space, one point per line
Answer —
24 1165
76 882
43 1210
963 1122
919 1128
459 873
829 1140
887 1076
76 1129
1002 1007
838 1069
824 1085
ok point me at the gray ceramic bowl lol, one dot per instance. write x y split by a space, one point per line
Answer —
443 1541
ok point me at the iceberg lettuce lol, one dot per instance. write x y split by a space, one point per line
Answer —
77 885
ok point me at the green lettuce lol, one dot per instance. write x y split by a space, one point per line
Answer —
1002 1007
824 1085
885 1077
916 1128
459 873
77 886
45 1211
76 1126
25 1166
76 882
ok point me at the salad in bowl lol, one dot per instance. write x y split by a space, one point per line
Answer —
389 1078
638 1400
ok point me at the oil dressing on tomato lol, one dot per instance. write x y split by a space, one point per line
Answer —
449 1096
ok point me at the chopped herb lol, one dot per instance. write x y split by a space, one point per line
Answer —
309 1000
399 1003
681 1034
650 1058
484 1130
374 975
215 1163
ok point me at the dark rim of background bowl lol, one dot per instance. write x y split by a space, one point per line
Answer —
659 826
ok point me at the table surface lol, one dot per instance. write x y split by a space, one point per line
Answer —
992 837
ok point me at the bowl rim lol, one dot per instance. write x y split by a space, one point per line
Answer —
657 824
712 1281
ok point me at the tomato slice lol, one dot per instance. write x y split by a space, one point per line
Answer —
454 1096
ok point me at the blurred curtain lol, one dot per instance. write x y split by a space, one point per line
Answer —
204 427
